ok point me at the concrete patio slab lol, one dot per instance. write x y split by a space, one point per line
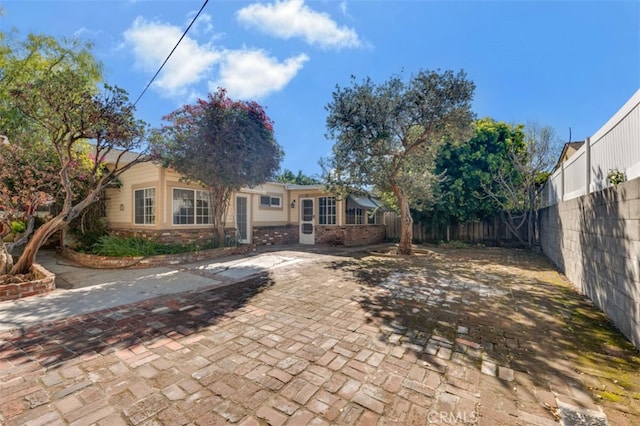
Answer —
94 290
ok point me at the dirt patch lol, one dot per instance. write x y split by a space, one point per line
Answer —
16 279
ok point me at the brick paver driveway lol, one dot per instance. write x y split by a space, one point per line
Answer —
479 336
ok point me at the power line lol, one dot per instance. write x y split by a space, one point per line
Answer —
171 53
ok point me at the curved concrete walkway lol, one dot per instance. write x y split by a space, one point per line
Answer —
83 290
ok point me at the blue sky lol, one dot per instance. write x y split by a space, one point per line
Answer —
567 64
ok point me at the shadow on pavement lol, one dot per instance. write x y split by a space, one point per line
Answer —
503 311
171 316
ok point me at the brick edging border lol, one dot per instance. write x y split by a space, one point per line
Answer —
45 282
140 262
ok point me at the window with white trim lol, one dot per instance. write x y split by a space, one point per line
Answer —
191 206
355 216
327 210
144 205
270 201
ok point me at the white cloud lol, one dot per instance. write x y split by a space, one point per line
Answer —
245 73
292 18
343 8
189 64
204 24
252 74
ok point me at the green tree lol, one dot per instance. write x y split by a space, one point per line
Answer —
35 58
29 165
287 176
469 169
515 188
387 136
223 145
50 103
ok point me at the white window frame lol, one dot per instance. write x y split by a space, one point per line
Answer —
327 213
196 215
275 201
355 218
148 206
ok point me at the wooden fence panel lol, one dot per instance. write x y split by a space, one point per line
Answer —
491 230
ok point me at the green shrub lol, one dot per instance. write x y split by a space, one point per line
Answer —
114 246
18 227
119 247
454 244
88 228
615 177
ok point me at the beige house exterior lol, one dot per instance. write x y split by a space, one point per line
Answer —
568 150
152 202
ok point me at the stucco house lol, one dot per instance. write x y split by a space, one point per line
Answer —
568 150
152 202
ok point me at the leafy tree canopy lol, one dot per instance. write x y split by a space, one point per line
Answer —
287 176
35 58
387 136
515 188
60 129
223 145
29 167
469 168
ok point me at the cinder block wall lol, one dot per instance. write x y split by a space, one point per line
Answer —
595 241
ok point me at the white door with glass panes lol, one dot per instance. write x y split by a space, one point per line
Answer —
243 233
307 230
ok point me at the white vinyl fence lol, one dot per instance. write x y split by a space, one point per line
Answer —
615 147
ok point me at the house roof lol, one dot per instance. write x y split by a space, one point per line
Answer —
354 201
566 153
127 156
303 187
575 145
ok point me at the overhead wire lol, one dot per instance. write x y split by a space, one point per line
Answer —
172 50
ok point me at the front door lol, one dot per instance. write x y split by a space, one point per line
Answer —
242 220
307 231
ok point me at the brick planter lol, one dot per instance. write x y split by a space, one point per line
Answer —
45 282
108 262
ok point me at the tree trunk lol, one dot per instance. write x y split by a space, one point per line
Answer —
530 239
219 204
41 235
514 227
405 246
219 234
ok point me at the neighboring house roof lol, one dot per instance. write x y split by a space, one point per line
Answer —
568 150
127 156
